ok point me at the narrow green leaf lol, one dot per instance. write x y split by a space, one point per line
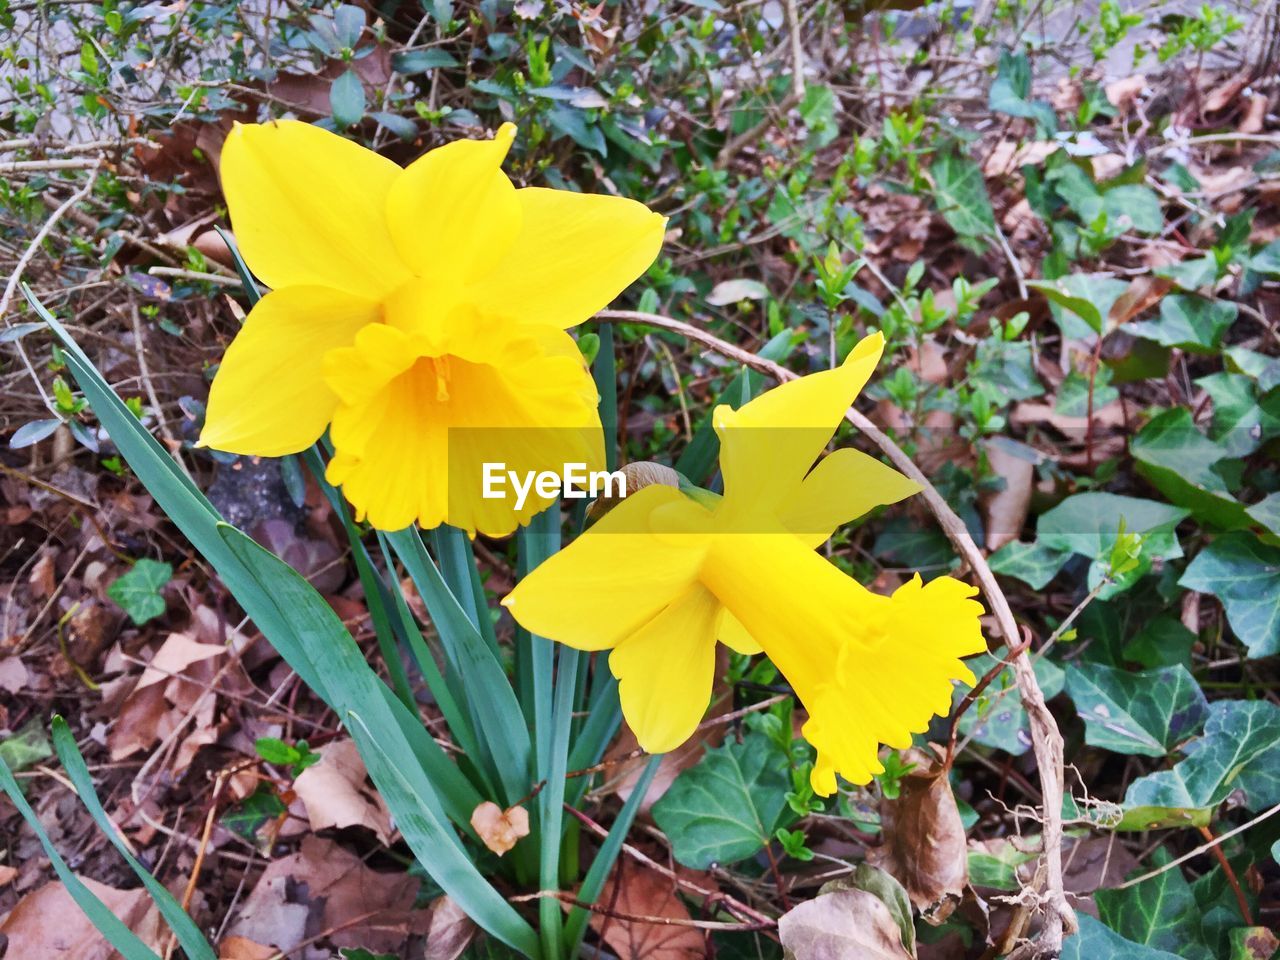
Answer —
342 672
500 720
551 800
193 942
435 846
605 858
106 922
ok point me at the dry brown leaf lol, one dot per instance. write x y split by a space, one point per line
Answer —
325 887
43 579
1225 93
13 674
1123 94
47 925
638 891
500 829
242 948
336 793
1144 293
924 843
1255 114
450 932
1095 863
179 651
844 925
1005 511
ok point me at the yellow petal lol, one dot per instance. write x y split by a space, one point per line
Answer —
894 679
768 446
391 454
842 487
453 212
308 208
414 431
868 669
612 580
268 397
574 254
734 635
666 670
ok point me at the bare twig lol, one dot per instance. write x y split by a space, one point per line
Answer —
797 51
1046 739
27 256
1203 848
570 899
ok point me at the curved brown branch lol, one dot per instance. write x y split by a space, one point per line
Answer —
1060 918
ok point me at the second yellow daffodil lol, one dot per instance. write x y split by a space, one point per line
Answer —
664 575
420 314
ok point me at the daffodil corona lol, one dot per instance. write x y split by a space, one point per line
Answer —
664 575
420 313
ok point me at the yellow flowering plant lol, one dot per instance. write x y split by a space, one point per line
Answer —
415 329
667 574
410 303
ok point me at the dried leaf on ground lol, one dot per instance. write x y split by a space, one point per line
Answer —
242 948
325 887
1005 511
924 841
635 890
47 925
336 792
450 932
500 829
845 925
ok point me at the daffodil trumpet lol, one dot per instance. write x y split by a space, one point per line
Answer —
664 575
420 315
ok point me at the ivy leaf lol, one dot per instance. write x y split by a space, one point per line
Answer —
1240 422
1089 524
1080 297
997 719
1134 207
27 747
962 196
1162 641
1096 942
138 592
1267 512
1192 323
1011 93
1033 563
1240 751
727 807
1244 573
1147 712
1253 943
1178 460
1161 913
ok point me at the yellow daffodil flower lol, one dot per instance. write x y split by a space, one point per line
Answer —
420 314
665 574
